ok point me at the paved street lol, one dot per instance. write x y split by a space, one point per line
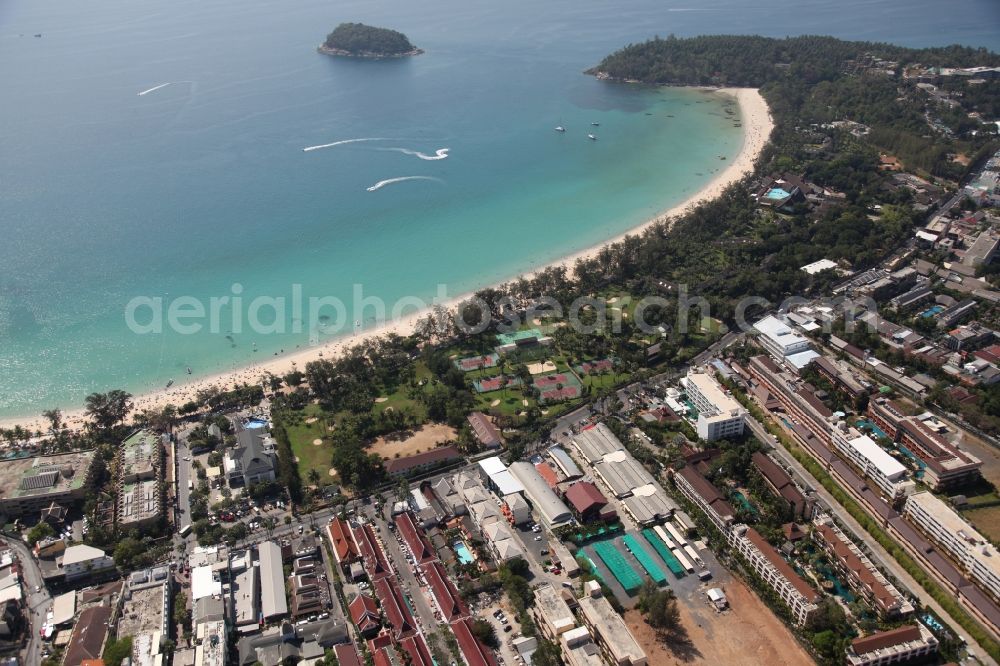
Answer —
183 491
38 603
425 612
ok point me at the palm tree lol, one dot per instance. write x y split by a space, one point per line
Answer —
502 365
54 417
313 476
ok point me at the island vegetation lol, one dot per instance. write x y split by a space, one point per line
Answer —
357 40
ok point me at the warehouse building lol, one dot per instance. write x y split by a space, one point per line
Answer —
550 509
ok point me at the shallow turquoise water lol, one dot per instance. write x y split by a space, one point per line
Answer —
195 187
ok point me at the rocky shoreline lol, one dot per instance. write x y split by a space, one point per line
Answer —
366 55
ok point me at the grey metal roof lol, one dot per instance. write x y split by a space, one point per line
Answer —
553 510
565 462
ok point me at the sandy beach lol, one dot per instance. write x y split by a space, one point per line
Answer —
757 125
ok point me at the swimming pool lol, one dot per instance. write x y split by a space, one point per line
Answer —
744 502
463 553
931 311
776 194
878 432
932 623
252 424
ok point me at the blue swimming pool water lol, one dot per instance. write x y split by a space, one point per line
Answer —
930 312
776 193
463 553
932 623
255 423
878 432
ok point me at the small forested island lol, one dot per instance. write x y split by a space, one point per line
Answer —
357 40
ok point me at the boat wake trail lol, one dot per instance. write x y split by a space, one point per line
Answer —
439 154
343 142
153 89
382 183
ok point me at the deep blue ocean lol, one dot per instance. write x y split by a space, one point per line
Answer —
194 187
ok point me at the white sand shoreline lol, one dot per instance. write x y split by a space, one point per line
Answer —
757 126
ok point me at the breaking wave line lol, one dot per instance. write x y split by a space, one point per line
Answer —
153 89
439 154
389 181
343 142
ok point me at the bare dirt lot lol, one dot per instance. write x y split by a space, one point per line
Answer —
747 634
426 437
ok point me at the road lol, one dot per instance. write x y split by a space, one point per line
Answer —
37 603
412 587
183 491
716 347
881 557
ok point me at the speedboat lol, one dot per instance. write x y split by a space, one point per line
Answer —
596 124
592 137
560 128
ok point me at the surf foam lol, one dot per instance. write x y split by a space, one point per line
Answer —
389 181
343 142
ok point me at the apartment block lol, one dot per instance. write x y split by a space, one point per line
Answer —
861 574
775 572
970 549
872 461
719 414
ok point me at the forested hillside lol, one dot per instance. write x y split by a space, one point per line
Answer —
361 39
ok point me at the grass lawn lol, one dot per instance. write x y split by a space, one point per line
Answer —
301 435
986 520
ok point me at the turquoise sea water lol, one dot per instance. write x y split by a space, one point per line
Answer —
192 188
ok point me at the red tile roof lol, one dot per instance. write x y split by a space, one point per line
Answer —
991 354
415 538
584 496
364 613
379 648
707 491
339 533
442 454
416 648
475 653
781 565
395 608
485 431
444 592
884 639
546 472
853 564
347 655
376 565
88 635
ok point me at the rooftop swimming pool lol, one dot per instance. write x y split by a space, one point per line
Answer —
463 553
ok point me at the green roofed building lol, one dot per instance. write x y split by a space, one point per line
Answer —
140 489
29 485
141 456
